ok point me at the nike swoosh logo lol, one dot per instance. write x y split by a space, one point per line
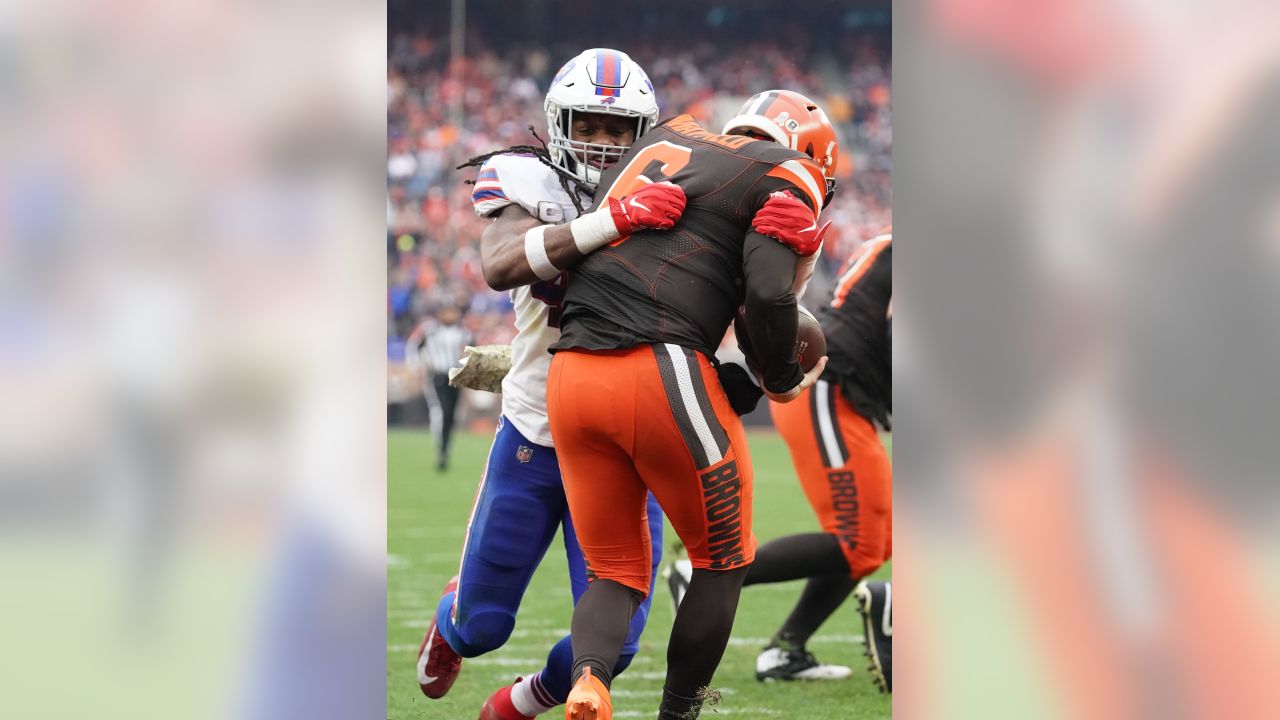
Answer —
423 677
814 226
633 202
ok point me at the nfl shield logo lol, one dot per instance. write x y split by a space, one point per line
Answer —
524 454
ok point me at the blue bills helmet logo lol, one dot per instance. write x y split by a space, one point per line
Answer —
524 453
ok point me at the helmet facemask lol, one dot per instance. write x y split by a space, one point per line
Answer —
588 160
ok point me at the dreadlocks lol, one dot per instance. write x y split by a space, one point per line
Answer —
544 156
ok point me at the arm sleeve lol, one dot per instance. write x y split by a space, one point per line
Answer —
768 268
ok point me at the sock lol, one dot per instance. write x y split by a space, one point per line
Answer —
787 641
554 678
701 630
549 687
600 624
530 697
822 596
678 707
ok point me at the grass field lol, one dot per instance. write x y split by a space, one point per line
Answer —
426 515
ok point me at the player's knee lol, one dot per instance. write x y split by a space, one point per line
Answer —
484 632
863 563
636 585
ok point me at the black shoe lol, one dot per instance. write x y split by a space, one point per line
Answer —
875 603
776 663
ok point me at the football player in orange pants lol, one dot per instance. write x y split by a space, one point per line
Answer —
844 470
635 401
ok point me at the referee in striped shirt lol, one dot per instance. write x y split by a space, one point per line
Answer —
440 351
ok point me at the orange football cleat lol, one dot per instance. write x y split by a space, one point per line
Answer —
588 700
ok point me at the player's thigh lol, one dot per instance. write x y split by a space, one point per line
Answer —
872 472
518 507
588 398
797 423
578 566
844 471
693 455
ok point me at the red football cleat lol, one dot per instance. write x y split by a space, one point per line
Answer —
438 664
500 707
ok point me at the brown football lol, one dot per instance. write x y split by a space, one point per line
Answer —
811 344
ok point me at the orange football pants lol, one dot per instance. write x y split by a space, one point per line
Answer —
650 418
845 472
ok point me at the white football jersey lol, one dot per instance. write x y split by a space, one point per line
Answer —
524 180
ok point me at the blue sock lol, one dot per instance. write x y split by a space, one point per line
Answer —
555 678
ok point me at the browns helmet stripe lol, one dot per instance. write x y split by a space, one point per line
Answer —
762 103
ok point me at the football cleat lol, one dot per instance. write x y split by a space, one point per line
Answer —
678 575
875 603
438 664
500 707
589 699
777 663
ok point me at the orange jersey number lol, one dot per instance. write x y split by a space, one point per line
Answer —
672 158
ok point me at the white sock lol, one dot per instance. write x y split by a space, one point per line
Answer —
528 696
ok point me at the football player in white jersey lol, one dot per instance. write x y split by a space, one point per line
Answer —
598 104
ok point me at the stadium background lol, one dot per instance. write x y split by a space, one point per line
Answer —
455 91
448 102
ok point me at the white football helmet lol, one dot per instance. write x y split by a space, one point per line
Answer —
599 80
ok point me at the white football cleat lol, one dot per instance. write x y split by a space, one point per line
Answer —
777 663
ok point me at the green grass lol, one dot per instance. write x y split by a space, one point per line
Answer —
426 516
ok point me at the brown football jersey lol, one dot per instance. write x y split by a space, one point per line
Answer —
856 324
684 285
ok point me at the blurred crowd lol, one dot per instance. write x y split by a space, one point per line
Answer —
443 111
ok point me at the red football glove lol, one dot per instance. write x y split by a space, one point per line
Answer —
657 206
790 222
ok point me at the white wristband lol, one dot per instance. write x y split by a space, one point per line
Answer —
535 251
594 230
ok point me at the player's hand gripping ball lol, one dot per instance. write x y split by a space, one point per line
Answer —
811 343
655 206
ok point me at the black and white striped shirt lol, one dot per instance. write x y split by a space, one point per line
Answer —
443 347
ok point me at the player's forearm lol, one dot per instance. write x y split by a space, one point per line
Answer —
768 270
525 255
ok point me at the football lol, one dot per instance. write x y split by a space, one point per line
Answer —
811 344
